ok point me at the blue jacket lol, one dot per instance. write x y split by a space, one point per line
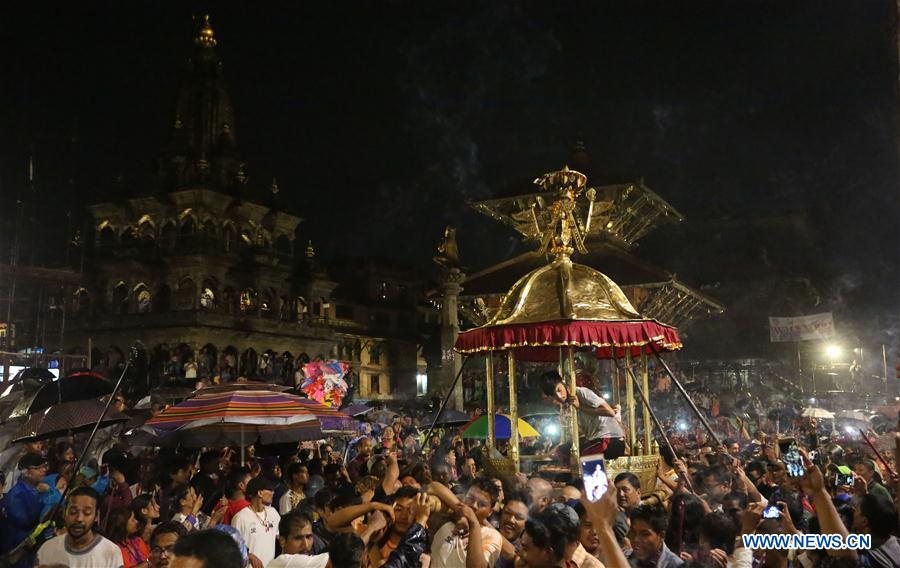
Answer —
20 511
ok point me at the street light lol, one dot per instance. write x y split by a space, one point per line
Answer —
833 351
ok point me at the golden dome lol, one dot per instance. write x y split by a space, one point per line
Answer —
563 290
206 36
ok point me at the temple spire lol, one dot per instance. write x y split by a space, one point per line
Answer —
205 37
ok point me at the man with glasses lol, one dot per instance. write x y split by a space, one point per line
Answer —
20 510
162 543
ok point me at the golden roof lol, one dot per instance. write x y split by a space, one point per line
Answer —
563 290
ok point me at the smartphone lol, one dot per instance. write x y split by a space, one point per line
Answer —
772 512
794 462
594 475
843 479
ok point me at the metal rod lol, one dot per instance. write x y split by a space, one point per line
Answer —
645 395
513 409
444 402
489 387
575 451
686 396
629 402
662 431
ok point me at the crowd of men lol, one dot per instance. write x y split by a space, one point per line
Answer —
390 498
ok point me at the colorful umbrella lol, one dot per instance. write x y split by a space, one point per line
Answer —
234 407
74 416
478 428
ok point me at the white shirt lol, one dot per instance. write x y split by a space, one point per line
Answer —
284 504
448 549
299 561
102 553
260 531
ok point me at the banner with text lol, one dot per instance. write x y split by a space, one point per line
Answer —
801 328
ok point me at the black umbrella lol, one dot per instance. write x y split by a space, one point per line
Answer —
447 417
66 417
77 386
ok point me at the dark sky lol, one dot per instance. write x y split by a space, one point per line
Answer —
380 119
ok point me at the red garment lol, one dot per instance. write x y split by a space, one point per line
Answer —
234 507
134 551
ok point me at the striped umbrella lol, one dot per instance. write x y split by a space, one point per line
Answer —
238 418
478 427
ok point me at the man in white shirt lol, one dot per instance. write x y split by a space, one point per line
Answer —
297 478
258 523
471 535
80 547
296 538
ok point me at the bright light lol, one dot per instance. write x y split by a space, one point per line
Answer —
606 395
833 351
682 426
849 429
812 401
421 383
551 429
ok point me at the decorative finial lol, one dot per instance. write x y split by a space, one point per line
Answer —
564 230
206 36
242 174
274 188
178 124
202 164
310 251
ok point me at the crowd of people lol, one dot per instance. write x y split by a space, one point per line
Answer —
390 497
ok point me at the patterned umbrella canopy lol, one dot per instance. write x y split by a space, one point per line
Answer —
478 428
234 407
74 416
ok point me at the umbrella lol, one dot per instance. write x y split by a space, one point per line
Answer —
73 416
74 387
478 428
332 420
857 415
447 417
357 409
813 412
237 417
234 407
383 416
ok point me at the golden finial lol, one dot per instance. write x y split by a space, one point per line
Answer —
274 188
178 124
310 251
564 234
206 36
242 174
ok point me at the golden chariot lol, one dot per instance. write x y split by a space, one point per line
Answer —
559 309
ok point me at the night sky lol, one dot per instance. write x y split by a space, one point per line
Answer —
380 119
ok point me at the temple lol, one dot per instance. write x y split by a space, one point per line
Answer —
206 272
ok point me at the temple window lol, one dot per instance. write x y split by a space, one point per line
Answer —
207 299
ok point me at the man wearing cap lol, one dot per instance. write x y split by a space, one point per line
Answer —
258 523
20 510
